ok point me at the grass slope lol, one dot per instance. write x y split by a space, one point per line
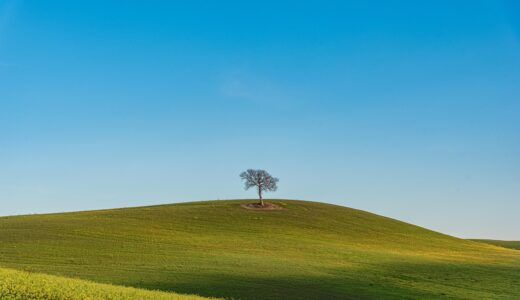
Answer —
307 250
505 244
19 285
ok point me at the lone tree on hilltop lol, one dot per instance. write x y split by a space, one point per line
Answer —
260 179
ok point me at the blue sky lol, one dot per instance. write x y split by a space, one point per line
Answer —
402 108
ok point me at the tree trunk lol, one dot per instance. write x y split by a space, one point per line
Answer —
260 196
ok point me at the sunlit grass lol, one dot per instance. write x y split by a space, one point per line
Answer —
216 248
18 285
505 244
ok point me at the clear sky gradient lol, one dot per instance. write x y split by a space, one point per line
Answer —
410 109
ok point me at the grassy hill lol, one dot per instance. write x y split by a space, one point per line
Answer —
505 244
307 250
27 286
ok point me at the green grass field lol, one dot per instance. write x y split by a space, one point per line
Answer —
19 285
505 244
308 250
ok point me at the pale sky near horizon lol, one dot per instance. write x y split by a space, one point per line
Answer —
406 109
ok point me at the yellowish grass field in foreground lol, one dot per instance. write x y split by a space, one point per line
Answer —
19 285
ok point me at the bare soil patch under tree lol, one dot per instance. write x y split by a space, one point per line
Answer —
258 206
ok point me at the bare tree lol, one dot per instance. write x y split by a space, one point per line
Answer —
260 179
